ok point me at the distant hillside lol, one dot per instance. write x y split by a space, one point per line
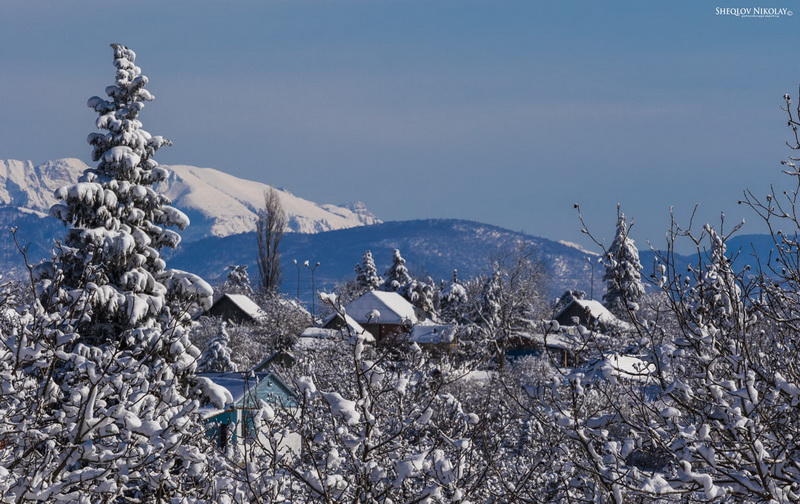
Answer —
431 247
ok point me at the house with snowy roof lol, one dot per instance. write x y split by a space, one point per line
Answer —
236 309
236 398
432 336
385 315
588 313
336 325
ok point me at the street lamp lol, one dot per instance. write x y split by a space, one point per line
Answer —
313 286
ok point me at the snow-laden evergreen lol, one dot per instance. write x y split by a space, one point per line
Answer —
717 295
490 308
453 298
422 294
623 277
216 357
367 277
102 360
397 276
238 280
110 260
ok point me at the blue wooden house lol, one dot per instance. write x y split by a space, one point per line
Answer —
234 423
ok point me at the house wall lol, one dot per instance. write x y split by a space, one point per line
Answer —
574 310
385 333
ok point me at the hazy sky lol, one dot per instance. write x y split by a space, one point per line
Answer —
502 112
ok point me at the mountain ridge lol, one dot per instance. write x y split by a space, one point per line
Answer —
219 204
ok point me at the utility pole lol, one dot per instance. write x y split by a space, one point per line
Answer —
297 267
313 286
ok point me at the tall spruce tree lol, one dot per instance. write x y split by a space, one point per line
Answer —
624 288
397 276
114 369
367 277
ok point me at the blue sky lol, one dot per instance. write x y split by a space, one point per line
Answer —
502 112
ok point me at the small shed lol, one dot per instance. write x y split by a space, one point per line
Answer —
386 315
588 313
440 337
236 309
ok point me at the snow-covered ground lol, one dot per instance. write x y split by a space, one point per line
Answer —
220 204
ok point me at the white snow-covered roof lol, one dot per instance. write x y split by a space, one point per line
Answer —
240 389
561 340
312 343
247 305
623 366
432 333
325 333
354 326
391 308
596 310
478 376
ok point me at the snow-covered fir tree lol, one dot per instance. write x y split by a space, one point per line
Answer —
423 296
397 276
104 353
490 308
453 298
110 259
216 357
238 280
624 288
717 295
367 277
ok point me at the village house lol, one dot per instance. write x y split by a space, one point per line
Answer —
437 337
233 421
335 325
588 313
236 309
385 315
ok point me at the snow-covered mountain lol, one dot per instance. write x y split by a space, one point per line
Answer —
218 204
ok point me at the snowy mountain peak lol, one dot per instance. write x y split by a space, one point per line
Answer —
219 204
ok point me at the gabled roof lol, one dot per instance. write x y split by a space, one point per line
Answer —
246 389
354 326
392 309
245 304
596 310
432 333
